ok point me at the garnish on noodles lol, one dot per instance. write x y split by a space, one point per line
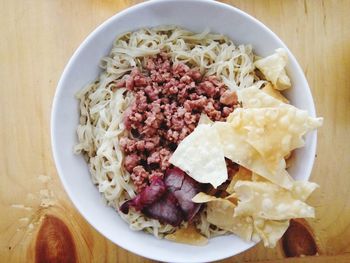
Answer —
186 135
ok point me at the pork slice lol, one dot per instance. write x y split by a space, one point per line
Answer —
166 210
174 179
184 189
146 197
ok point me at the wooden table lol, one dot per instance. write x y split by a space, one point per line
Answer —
37 220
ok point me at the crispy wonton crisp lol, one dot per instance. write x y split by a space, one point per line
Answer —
273 68
201 156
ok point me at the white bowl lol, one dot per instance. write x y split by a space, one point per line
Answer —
83 68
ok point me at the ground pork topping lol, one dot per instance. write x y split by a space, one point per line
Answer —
169 99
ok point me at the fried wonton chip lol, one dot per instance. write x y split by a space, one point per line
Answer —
274 93
220 212
269 201
204 119
253 97
241 175
274 132
263 210
189 235
270 231
303 189
258 178
273 68
203 198
237 149
232 198
201 156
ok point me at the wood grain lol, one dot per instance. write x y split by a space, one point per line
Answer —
39 36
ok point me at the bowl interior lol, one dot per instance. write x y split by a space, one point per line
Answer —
83 68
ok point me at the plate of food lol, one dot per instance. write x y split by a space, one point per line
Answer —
183 136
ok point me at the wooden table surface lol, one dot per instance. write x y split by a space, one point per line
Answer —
37 220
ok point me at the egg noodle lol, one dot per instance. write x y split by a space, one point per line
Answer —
102 105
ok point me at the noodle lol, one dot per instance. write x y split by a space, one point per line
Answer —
102 105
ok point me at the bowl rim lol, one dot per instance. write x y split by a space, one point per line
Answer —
59 90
